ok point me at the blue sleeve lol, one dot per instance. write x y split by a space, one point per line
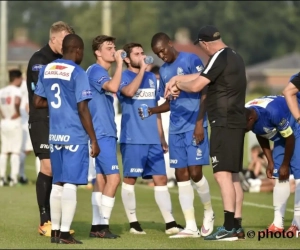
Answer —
162 85
39 89
82 87
279 119
196 65
98 77
125 80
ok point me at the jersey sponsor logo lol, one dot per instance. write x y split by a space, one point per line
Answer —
180 71
72 148
136 170
6 100
261 102
61 138
37 67
58 71
45 146
144 94
199 68
86 93
151 84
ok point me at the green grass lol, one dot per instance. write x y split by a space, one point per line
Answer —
19 220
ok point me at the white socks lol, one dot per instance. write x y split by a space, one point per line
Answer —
68 205
96 204
296 220
22 165
186 199
3 162
163 200
129 202
107 204
281 193
202 189
14 167
55 206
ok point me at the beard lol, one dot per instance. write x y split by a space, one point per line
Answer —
135 65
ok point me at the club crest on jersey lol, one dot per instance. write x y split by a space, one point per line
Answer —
180 71
199 68
37 67
151 83
199 152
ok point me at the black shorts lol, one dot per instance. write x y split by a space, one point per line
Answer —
227 149
39 135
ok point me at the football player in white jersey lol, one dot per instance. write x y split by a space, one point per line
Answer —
11 127
26 142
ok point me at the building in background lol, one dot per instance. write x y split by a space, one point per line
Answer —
20 50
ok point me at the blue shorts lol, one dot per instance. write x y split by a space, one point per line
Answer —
142 160
70 163
107 162
278 155
182 152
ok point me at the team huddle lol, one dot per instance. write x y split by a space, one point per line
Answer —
71 112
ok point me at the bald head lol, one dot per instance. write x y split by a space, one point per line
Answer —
72 48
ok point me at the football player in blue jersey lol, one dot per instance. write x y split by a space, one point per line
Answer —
142 141
103 114
64 88
270 119
188 137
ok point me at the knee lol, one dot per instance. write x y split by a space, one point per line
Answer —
182 174
160 180
46 167
113 179
196 173
129 180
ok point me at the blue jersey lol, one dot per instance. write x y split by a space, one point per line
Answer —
64 84
134 130
184 110
274 118
101 106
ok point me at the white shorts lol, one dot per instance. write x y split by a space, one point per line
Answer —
26 141
11 138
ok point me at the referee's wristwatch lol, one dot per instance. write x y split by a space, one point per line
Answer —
298 120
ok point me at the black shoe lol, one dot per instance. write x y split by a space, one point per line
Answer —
69 240
23 180
104 233
55 236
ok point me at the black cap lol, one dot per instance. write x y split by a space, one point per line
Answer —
207 34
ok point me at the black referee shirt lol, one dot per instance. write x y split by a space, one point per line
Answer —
296 81
40 58
227 89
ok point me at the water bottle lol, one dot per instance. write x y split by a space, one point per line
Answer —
148 60
144 109
32 86
123 54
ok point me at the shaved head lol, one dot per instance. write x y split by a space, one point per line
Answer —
72 47
160 37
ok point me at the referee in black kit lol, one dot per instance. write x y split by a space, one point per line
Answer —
226 79
38 123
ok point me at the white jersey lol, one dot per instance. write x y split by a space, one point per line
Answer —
8 96
24 103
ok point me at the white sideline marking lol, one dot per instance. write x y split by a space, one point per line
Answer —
245 203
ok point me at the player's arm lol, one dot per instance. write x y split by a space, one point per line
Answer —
265 146
17 108
86 119
39 97
113 84
290 93
202 110
34 67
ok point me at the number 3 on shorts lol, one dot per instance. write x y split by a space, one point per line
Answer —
55 87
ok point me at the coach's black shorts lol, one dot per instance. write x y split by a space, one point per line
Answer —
39 135
227 149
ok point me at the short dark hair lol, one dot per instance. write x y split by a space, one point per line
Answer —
99 40
14 74
128 48
155 69
71 42
160 36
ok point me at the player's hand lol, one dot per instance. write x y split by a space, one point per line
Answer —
142 64
171 90
141 112
198 133
117 55
164 145
269 170
95 150
284 172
